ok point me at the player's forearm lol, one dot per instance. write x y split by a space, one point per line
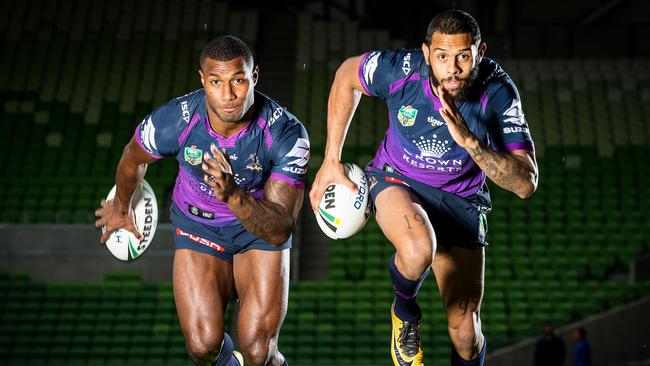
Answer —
506 170
127 178
342 103
266 220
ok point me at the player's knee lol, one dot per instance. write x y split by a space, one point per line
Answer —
415 257
204 346
256 349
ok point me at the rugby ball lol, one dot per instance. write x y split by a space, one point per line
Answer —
341 212
122 243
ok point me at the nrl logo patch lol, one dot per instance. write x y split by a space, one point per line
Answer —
406 115
193 156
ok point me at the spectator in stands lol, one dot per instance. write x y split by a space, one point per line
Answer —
582 351
550 350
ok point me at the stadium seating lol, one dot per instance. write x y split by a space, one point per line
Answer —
74 86
119 321
74 83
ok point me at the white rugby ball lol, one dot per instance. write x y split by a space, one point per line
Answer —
122 243
341 212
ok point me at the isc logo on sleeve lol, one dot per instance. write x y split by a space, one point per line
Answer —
185 111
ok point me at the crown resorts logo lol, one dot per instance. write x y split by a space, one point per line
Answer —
432 148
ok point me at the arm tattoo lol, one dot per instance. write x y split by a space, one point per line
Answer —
505 170
417 218
272 218
468 303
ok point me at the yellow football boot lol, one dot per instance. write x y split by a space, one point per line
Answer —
405 347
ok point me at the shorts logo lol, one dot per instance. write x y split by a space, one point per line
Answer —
432 148
206 215
373 183
193 155
200 240
395 180
482 226
406 115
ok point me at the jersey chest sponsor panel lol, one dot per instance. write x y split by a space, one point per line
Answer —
248 158
419 145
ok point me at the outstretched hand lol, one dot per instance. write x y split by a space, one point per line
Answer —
218 173
456 124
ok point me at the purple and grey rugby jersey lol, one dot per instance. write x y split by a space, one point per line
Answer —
417 143
274 145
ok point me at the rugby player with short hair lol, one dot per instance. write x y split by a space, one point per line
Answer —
455 118
242 163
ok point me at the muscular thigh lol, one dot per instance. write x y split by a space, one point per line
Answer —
262 282
459 273
202 286
402 218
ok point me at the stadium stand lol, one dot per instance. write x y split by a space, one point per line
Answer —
74 83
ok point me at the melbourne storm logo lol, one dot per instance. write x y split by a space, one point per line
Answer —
254 164
432 147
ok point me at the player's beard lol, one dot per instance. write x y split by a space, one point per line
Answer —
465 90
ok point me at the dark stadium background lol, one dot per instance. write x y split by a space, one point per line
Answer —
77 76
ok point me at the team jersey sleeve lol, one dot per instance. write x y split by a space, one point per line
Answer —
158 133
381 71
290 155
508 126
